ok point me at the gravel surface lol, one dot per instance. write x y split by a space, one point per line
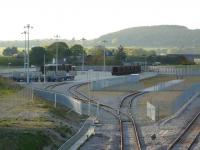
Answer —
169 131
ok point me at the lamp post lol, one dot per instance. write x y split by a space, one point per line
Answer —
28 27
104 56
145 63
57 37
25 55
9 63
83 55
44 68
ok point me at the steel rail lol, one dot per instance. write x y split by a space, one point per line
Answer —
183 132
131 119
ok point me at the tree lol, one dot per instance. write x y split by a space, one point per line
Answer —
120 55
63 51
10 51
77 53
37 55
77 50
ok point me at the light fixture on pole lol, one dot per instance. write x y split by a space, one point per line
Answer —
57 37
28 27
104 56
44 68
83 54
25 54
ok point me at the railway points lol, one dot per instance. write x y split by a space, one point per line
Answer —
121 110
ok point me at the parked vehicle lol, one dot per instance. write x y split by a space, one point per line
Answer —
64 72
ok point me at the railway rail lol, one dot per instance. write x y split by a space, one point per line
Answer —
129 137
188 135
128 128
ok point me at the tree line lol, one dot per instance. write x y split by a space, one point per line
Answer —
92 56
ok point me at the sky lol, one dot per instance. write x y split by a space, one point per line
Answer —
91 18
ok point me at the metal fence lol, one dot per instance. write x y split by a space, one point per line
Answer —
174 70
96 68
82 131
77 106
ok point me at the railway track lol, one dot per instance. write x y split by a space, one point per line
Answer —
75 93
129 138
187 137
128 128
81 96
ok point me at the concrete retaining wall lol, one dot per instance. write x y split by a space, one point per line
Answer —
185 97
100 84
68 101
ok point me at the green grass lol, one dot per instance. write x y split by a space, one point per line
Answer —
7 87
64 131
22 140
29 133
155 80
61 111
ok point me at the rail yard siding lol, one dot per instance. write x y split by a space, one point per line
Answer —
103 83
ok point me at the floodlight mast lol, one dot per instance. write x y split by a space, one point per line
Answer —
28 27
104 55
83 54
25 54
57 37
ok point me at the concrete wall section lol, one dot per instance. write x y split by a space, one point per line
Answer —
69 102
100 84
185 97
162 86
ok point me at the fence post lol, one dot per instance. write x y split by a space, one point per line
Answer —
32 92
55 99
97 109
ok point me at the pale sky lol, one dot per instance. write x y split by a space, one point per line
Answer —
91 18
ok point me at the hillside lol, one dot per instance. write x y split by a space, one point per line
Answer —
162 36
154 36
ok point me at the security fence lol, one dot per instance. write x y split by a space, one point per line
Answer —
187 70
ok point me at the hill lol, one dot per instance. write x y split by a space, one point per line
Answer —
161 36
154 36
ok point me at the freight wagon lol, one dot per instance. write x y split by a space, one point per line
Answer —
126 70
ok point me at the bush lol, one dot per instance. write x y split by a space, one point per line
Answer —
14 61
